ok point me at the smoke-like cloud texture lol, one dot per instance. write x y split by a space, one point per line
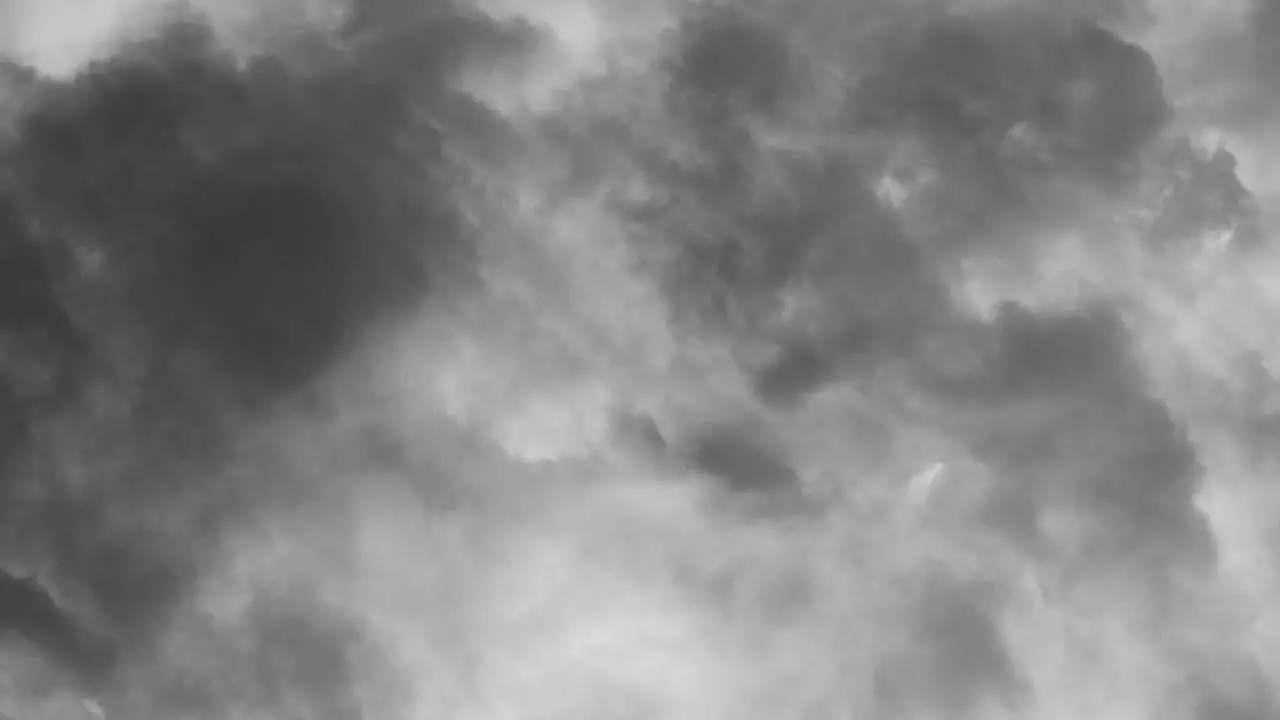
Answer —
679 360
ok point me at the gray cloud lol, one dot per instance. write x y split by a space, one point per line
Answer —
727 65
956 661
1065 418
743 459
1203 194
1243 694
1227 74
195 242
186 240
1243 64
1013 109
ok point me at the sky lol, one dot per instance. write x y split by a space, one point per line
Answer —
686 360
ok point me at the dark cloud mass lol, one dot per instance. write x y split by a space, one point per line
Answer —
27 611
227 201
185 237
39 343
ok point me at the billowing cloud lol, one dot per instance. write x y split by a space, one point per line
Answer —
705 360
1101 448
188 237
1203 196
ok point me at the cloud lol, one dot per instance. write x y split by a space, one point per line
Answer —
1204 195
405 362
1074 429
1003 127
727 66
27 610
1244 694
1235 69
59 37
188 238
991 149
40 342
745 463
1016 112
236 237
958 662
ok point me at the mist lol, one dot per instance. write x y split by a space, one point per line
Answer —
497 359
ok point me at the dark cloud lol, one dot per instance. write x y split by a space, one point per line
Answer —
743 459
27 610
799 368
803 365
729 65
1063 414
1056 355
953 660
187 238
17 84
258 216
1014 107
38 344
1011 107
738 234
732 255
1057 406
1086 99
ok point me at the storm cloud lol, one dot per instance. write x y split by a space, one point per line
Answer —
472 360
188 237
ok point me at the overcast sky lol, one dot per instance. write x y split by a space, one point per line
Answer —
582 359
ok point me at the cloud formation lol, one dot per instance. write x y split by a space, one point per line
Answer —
189 238
427 359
